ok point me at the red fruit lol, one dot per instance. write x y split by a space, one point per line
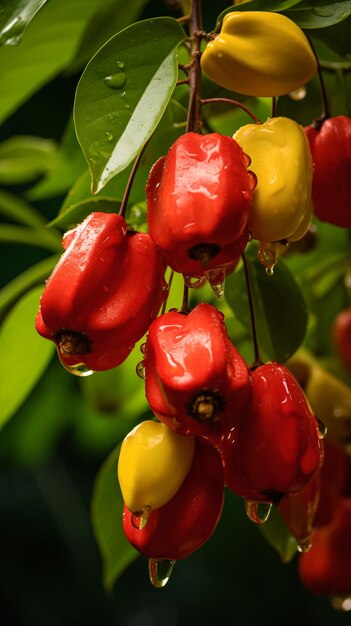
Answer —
186 522
103 294
326 568
298 511
196 381
275 448
333 482
341 334
199 198
331 151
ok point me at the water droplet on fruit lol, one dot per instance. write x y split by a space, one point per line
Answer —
298 94
115 81
143 348
216 278
193 281
252 180
160 571
341 603
139 520
120 64
267 255
78 369
140 369
304 545
247 159
322 429
108 135
258 512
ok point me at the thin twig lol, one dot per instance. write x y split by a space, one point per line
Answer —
258 361
234 103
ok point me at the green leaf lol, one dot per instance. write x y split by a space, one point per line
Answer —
24 158
49 44
31 236
63 170
15 16
24 355
278 536
106 514
319 13
78 212
280 310
31 277
336 37
257 5
123 93
18 210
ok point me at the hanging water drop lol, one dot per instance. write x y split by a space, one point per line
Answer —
139 520
304 545
115 81
78 369
267 255
143 348
160 571
108 135
298 94
216 278
258 512
193 281
140 369
322 429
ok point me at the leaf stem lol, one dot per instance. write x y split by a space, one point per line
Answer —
258 361
234 103
123 207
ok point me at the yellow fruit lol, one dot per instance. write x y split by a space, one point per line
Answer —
153 463
259 53
281 159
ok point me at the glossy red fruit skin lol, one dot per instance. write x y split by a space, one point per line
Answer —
275 448
331 152
298 511
107 287
185 523
200 194
341 336
188 359
334 477
326 569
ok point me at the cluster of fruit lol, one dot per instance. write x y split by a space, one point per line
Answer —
219 422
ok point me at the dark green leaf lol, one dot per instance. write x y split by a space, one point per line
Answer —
31 277
319 13
15 16
18 210
49 44
257 5
278 536
24 355
30 236
280 309
78 212
336 37
69 163
123 93
106 513
24 158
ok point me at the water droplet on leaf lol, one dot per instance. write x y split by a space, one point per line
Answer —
258 512
115 81
108 135
160 571
120 64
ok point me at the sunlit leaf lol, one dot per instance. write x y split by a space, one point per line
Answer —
280 309
123 93
24 355
15 16
23 158
106 513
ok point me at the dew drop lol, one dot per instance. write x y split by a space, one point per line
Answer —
140 369
139 520
304 545
341 603
298 94
160 571
267 255
193 281
322 429
216 278
258 512
252 180
78 369
247 159
143 348
120 64
108 135
115 81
